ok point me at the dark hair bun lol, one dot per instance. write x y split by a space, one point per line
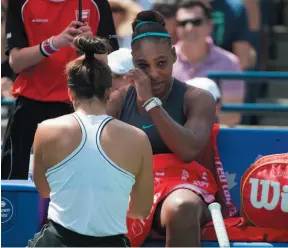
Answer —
91 45
150 16
87 75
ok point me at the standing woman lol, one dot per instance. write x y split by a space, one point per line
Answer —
178 120
89 163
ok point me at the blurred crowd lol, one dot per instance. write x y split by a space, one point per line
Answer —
221 35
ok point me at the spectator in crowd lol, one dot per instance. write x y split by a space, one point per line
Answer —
231 30
124 11
146 4
178 120
254 15
210 86
39 46
253 9
121 63
6 87
197 54
7 74
168 10
77 163
6 71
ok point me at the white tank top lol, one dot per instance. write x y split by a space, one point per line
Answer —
90 193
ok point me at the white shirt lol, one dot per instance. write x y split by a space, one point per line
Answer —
89 192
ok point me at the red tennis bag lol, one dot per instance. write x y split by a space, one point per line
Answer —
264 197
264 192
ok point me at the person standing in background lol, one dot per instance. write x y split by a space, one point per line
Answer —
124 11
197 54
39 37
252 8
6 71
254 15
231 30
7 74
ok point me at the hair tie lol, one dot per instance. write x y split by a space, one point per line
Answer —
142 23
81 82
150 34
89 55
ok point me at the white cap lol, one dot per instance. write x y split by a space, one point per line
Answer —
120 61
206 84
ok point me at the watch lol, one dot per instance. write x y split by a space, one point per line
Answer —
152 103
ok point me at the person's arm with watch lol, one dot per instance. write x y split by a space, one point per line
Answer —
185 141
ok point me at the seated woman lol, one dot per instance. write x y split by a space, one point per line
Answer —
178 119
89 163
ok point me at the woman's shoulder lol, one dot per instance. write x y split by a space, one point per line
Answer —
194 94
196 98
52 129
58 122
124 130
54 134
126 138
116 101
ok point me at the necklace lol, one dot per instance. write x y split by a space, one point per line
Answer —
168 92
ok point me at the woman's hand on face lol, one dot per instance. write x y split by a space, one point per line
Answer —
142 83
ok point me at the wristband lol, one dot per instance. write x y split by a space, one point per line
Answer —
147 102
152 103
47 48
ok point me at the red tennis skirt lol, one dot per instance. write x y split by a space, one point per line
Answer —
170 174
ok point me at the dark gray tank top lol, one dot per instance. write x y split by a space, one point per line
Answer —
173 105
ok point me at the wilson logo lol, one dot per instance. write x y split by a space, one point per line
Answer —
271 194
264 192
277 172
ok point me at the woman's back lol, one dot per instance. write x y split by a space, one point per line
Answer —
91 159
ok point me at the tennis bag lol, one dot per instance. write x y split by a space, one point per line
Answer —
264 208
264 192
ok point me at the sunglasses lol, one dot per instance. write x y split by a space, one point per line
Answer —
195 22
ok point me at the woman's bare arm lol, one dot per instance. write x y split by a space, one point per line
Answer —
39 169
143 189
188 140
116 102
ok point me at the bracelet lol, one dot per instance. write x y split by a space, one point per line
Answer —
147 102
47 48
